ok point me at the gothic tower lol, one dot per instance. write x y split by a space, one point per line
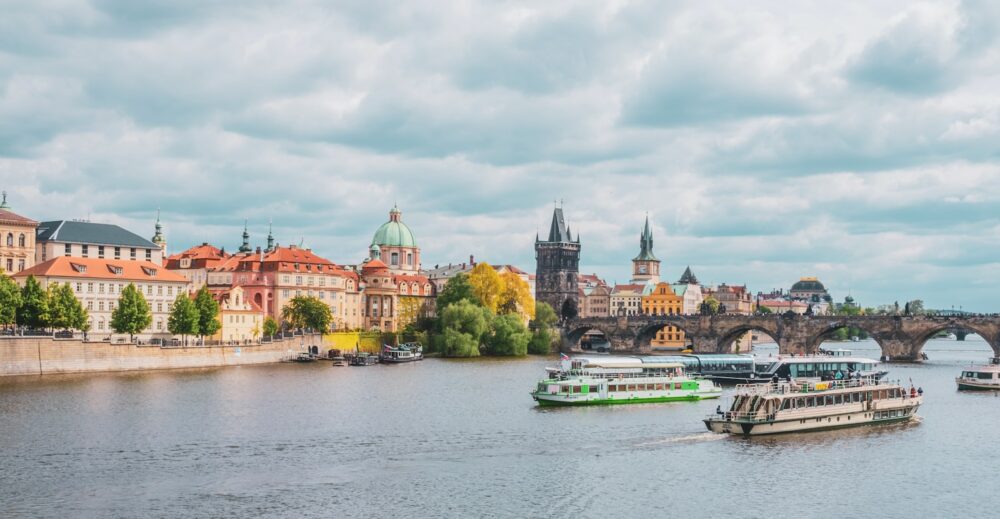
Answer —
645 266
557 268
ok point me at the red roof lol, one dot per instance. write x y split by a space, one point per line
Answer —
14 218
201 256
410 278
95 268
632 288
375 264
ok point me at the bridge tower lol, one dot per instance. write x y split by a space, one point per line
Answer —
557 268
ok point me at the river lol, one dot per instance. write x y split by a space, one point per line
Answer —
450 438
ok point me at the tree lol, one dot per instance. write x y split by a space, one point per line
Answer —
541 339
34 309
455 290
509 336
515 296
916 307
712 305
208 313
464 324
486 286
10 300
764 310
132 314
184 317
307 312
65 310
270 326
541 342
545 316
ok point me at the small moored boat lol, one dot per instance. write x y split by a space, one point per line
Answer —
814 406
408 352
981 377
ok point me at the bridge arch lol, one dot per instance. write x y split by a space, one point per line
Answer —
830 328
988 335
729 336
575 333
645 334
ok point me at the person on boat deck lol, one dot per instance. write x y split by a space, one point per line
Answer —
839 375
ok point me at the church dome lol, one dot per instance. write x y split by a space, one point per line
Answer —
808 285
394 233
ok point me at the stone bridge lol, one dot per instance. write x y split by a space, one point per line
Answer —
900 337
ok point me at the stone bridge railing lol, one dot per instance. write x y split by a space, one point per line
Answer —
900 337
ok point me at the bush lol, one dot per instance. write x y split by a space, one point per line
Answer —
541 342
509 336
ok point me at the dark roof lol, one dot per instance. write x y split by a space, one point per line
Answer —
688 278
808 285
558 232
646 245
69 231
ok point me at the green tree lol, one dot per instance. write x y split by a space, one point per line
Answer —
545 316
184 317
713 305
65 310
10 300
542 326
464 324
270 326
132 313
34 309
486 285
541 342
917 307
208 313
764 310
455 290
508 337
307 312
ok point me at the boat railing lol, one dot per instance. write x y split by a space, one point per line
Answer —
773 388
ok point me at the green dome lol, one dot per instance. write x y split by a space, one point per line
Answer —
394 233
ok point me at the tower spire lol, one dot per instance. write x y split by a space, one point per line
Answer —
270 236
3 200
246 238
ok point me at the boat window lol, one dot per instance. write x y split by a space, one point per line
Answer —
787 404
564 389
985 376
829 400
631 387
577 389
856 397
594 389
839 399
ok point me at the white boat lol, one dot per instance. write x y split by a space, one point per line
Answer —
980 377
620 380
814 406
834 365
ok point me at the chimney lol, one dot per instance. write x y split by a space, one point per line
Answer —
472 260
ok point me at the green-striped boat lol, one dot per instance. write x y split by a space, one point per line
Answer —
620 380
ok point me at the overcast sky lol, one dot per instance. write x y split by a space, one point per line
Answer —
858 143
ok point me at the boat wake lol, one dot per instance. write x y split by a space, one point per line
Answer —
691 438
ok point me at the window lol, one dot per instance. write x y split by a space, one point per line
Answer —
149 254
10 265
20 265
298 280
394 258
170 291
85 250
149 290
90 305
100 251
159 307
90 288
100 306
118 253
68 249
100 288
79 288
159 290
131 253
10 239
100 324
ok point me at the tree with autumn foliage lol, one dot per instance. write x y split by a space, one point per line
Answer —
486 286
515 297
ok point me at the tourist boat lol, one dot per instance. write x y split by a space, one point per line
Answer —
304 357
408 352
836 366
620 380
981 377
813 406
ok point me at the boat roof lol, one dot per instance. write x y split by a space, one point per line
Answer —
806 359
628 362
988 368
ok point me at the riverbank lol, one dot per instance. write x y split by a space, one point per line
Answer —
46 355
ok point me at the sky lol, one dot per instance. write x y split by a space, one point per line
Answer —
855 142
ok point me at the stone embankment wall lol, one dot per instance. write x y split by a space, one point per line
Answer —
45 355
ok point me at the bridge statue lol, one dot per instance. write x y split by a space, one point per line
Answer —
901 337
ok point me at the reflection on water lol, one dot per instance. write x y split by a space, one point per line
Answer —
463 439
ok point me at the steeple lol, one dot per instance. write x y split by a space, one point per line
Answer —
3 200
246 239
688 278
557 231
646 244
158 234
270 237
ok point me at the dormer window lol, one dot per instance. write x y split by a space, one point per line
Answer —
149 271
82 269
114 269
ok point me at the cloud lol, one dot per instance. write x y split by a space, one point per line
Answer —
767 142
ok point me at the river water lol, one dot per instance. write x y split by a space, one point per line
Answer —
445 438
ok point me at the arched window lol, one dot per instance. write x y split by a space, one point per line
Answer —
20 241
10 239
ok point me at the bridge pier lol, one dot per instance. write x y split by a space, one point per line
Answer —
900 350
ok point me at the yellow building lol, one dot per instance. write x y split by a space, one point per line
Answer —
660 299
17 240
242 320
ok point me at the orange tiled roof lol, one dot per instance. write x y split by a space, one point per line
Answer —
14 218
410 278
374 264
95 268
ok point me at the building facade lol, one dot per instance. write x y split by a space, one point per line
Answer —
68 238
98 283
557 265
595 296
660 299
17 239
196 262
242 321
626 300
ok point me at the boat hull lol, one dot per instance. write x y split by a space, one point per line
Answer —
548 400
968 385
826 423
386 360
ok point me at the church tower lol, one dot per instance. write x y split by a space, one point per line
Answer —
645 266
159 239
557 268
